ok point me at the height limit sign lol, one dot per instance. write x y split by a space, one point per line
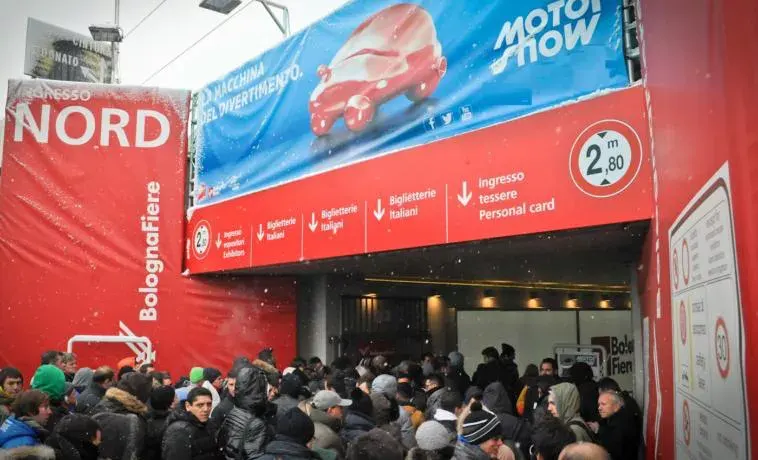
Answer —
605 158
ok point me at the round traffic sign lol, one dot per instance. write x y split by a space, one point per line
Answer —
686 261
683 322
605 158
675 263
201 239
686 423
722 347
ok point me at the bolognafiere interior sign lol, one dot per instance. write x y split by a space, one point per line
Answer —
710 400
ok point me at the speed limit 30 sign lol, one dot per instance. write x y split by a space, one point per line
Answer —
605 158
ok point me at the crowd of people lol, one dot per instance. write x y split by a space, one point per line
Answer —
429 409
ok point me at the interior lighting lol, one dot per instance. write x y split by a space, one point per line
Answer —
220 6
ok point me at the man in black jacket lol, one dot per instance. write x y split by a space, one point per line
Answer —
187 434
161 403
102 379
294 431
618 431
227 400
245 433
121 415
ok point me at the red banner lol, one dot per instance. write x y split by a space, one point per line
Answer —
580 165
92 217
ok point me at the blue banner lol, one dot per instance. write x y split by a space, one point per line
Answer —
379 76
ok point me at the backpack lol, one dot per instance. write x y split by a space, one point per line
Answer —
591 434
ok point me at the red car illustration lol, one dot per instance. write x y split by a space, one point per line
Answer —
394 51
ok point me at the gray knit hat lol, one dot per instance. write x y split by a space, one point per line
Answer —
386 384
433 435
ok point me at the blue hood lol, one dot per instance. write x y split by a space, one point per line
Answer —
16 433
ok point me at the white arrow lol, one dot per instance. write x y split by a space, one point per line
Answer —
465 196
314 223
379 212
260 232
218 240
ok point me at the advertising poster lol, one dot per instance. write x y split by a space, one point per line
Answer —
91 218
710 405
55 53
380 76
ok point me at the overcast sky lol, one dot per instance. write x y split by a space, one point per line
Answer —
164 35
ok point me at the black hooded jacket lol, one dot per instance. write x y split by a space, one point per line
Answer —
244 429
121 416
284 448
187 438
356 424
496 399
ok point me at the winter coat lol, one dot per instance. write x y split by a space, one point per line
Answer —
495 398
19 432
6 400
187 438
89 398
487 373
465 451
285 403
122 419
433 401
284 448
245 428
156 427
68 449
619 435
326 428
39 452
407 426
356 424
567 403
511 380
457 380
58 411
222 410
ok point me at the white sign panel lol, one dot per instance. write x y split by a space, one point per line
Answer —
708 339
59 54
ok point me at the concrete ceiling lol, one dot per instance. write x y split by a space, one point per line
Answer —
599 255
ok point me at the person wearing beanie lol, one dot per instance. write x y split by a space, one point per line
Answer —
434 442
121 414
196 378
51 380
375 445
294 432
162 401
188 435
359 418
480 435
69 398
212 382
76 437
290 390
386 384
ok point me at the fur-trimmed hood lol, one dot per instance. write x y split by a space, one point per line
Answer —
129 402
272 373
40 452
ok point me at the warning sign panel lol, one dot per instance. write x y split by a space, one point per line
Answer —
709 382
